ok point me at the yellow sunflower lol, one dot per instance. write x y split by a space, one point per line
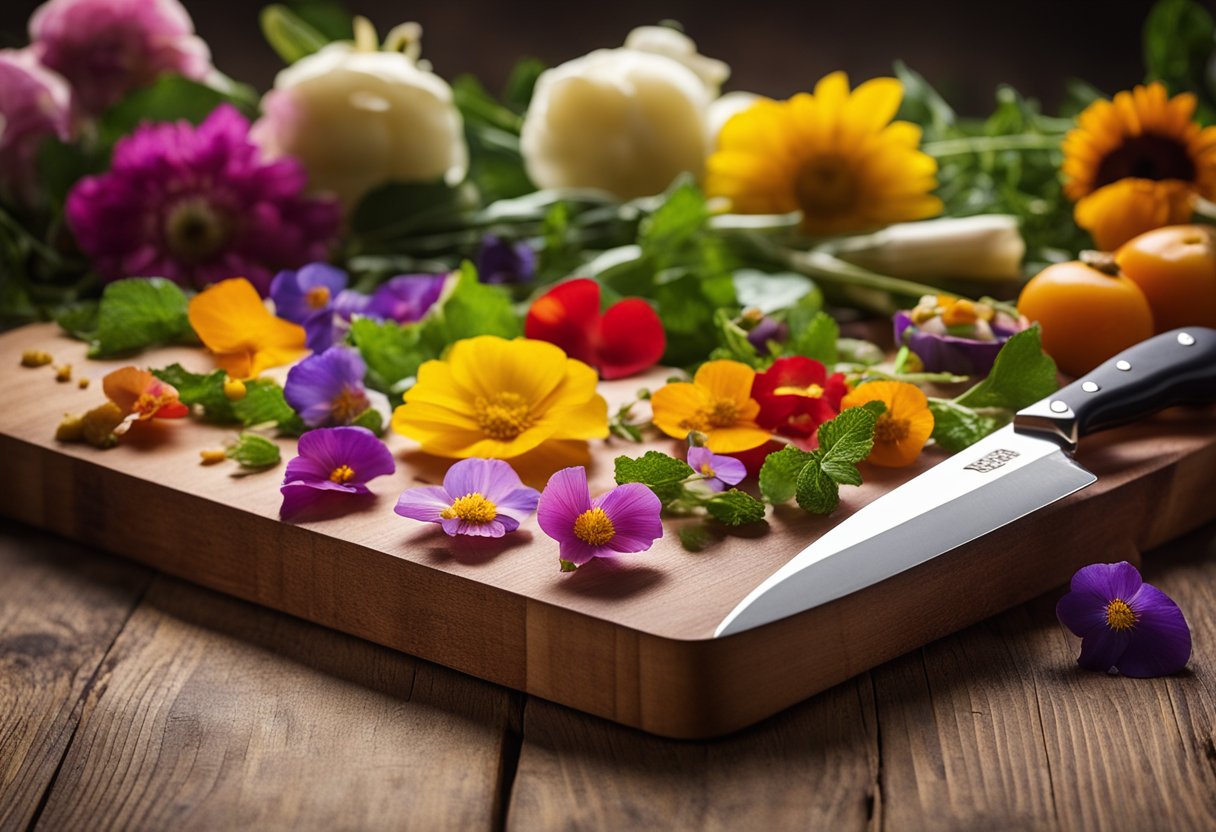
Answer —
1137 163
835 156
498 399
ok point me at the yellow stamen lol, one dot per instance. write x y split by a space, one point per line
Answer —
1119 616
317 297
890 430
594 527
503 416
811 391
147 405
722 413
472 508
342 474
234 389
706 470
212 457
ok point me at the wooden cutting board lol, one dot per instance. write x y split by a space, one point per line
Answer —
629 640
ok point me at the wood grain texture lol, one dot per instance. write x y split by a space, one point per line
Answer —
215 714
629 640
61 607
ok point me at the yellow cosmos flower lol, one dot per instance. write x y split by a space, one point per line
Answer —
903 428
718 403
1137 163
231 320
497 399
834 155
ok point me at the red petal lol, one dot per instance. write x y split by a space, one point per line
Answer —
567 315
172 410
631 339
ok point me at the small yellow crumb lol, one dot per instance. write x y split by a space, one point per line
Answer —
212 457
234 389
100 423
63 373
83 383
35 358
71 429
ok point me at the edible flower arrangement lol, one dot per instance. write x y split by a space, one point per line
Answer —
431 262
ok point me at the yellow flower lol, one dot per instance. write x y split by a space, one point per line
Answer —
498 399
232 321
905 426
718 403
1137 163
835 156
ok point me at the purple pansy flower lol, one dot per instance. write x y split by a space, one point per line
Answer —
718 471
1124 623
767 330
626 519
198 205
406 298
339 459
301 293
498 261
327 388
479 497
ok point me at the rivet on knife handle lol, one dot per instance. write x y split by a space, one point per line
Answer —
1175 367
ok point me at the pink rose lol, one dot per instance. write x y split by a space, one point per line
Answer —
34 103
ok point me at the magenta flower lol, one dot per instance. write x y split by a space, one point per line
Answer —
35 104
339 459
1124 623
498 261
718 471
327 389
198 205
479 497
106 48
406 298
626 519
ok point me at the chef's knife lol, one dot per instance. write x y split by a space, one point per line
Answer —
1017 470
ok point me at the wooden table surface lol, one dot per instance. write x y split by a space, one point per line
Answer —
132 700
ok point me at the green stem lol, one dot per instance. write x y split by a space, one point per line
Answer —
988 144
830 269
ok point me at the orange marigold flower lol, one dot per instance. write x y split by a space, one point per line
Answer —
717 403
905 426
233 322
142 395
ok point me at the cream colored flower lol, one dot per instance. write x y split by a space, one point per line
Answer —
627 121
982 247
357 117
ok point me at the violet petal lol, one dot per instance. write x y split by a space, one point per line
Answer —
425 503
634 511
1161 639
565 497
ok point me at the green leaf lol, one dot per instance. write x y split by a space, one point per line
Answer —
288 34
254 451
816 491
732 341
675 224
922 104
205 391
735 508
694 538
1021 375
850 436
779 473
370 419
472 309
773 292
521 82
397 210
80 320
392 351
815 338
1178 45
956 427
170 98
567 565
662 474
264 404
140 312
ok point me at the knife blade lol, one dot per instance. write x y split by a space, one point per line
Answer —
1019 469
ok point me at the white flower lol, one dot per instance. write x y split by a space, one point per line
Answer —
357 118
664 40
627 121
982 247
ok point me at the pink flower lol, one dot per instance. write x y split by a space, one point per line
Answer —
35 103
626 519
106 48
718 471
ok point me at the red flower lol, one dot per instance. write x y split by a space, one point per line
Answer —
626 339
796 396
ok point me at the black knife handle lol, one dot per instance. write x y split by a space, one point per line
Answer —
1175 367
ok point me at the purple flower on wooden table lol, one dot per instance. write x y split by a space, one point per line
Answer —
341 460
718 471
479 497
326 389
626 519
500 261
316 297
1124 623
406 298
198 205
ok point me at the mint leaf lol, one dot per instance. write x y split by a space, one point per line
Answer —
370 419
80 320
735 508
956 427
140 312
254 451
205 391
264 404
850 436
816 491
473 309
676 223
732 341
1021 375
392 351
662 474
694 538
815 338
779 473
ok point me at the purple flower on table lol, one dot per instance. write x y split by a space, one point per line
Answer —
625 519
1124 623
35 104
299 294
327 387
341 459
718 471
106 48
406 298
479 497
500 261
198 205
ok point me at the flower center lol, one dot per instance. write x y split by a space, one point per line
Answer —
825 186
342 474
317 297
1147 156
503 416
194 230
811 391
1119 616
723 413
707 470
890 431
594 527
348 404
147 404
472 508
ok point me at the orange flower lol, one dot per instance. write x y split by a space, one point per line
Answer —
142 396
230 318
717 403
905 426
